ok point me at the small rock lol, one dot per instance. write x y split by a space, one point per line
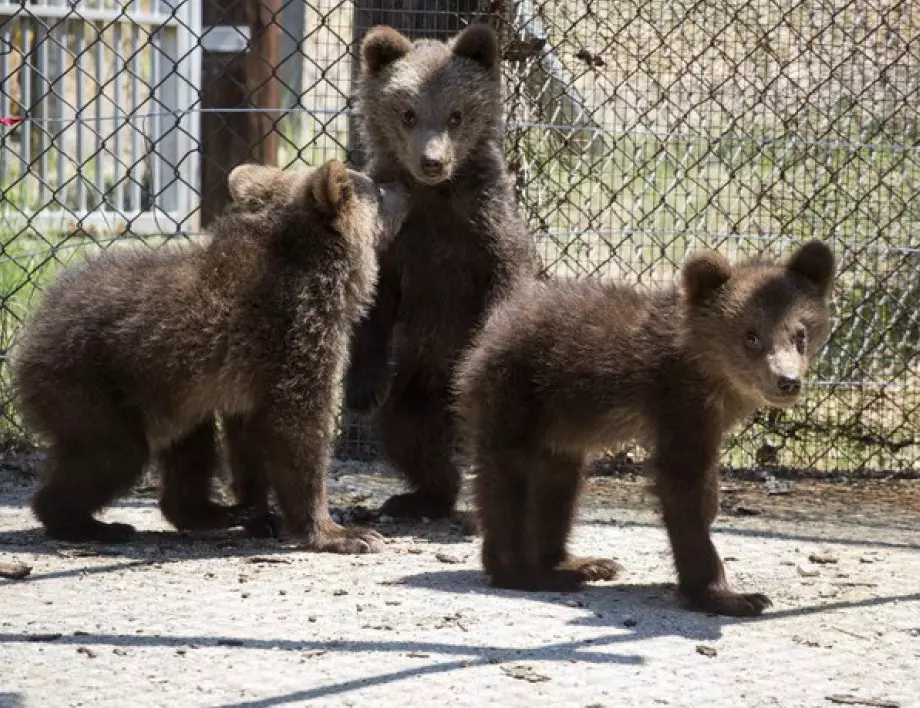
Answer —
311 618
706 650
80 633
87 652
414 551
775 487
447 558
524 673
822 558
804 641
339 592
807 572
282 592
244 595
630 622
747 511
14 571
181 652
866 559
119 652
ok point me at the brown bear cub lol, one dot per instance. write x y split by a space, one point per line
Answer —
132 355
432 119
565 369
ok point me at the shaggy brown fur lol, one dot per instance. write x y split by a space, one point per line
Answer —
432 119
565 369
132 355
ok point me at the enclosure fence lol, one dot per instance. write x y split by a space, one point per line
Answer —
637 131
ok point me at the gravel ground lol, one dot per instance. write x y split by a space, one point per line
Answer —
223 621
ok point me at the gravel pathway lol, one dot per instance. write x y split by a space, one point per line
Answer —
223 621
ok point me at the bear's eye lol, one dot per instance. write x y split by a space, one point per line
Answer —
801 339
408 118
751 340
455 119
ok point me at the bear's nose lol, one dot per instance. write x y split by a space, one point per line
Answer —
432 166
789 386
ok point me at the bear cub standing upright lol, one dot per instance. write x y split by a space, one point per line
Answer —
432 119
133 354
565 369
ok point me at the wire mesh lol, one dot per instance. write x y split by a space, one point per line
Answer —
636 132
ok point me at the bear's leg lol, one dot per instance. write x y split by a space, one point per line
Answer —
417 429
556 482
296 448
500 489
250 478
85 475
687 485
187 467
368 373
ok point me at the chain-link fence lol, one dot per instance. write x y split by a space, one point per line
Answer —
637 131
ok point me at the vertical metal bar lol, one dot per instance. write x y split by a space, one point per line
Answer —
60 33
189 100
156 178
118 64
135 169
80 100
25 84
99 152
47 99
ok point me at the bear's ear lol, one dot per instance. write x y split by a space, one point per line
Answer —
815 262
382 46
703 274
479 43
253 184
330 187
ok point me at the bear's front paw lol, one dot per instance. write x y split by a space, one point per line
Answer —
724 601
333 538
592 568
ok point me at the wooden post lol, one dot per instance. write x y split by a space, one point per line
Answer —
237 75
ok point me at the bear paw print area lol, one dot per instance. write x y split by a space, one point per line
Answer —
233 620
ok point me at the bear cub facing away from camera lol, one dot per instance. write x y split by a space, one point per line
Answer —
132 355
565 369
432 119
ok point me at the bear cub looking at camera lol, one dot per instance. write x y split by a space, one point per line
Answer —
565 369
432 119
132 355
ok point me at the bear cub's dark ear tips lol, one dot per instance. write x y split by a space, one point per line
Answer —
479 43
815 262
331 187
382 46
703 274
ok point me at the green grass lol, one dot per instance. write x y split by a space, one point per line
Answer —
636 215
